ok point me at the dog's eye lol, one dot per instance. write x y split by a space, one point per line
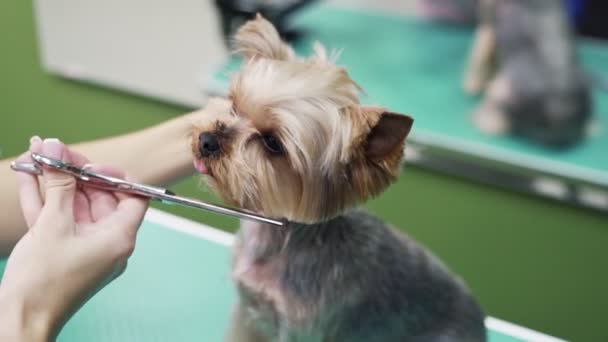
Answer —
221 127
272 144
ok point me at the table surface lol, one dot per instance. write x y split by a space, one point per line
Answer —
177 287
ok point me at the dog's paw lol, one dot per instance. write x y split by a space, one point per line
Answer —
472 85
490 120
594 129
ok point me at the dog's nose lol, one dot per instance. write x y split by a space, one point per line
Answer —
208 144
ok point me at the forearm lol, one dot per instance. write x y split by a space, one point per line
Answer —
12 223
21 324
156 155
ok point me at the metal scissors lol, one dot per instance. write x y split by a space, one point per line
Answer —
96 180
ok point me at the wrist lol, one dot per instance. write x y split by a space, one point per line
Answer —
171 159
175 153
22 323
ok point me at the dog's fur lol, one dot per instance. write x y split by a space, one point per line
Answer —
333 273
524 58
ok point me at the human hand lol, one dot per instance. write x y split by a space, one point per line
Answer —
79 239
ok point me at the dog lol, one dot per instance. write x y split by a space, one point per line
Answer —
524 59
292 141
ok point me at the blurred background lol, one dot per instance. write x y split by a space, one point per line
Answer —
524 224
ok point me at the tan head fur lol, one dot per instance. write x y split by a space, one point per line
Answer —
291 140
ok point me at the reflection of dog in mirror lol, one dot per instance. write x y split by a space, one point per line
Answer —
524 57
292 141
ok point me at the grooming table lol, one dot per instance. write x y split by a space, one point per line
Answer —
177 287
415 67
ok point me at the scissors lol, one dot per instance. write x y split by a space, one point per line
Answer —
96 180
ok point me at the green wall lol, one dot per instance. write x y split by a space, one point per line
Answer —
530 261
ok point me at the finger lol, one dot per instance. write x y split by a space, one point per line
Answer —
120 196
59 187
35 145
124 224
29 189
106 170
82 204
130 211
103 203
82 208
124 195
76 158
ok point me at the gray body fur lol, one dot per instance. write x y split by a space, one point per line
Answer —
349 279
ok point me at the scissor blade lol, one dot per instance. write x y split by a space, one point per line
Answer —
220 209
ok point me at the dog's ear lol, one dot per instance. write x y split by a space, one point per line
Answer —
387 136
258 38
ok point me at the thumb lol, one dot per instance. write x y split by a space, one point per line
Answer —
59 187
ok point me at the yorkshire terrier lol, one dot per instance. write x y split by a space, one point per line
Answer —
292 141
524 58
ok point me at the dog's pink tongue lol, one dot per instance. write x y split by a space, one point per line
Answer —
200 167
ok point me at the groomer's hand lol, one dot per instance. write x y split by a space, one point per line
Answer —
79 239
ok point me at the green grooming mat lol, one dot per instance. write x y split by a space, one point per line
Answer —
177 287
415 67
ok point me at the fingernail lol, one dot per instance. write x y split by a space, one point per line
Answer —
52 148
34 139
87 166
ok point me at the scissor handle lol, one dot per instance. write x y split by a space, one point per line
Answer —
30 168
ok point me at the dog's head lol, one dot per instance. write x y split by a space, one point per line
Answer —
291 139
